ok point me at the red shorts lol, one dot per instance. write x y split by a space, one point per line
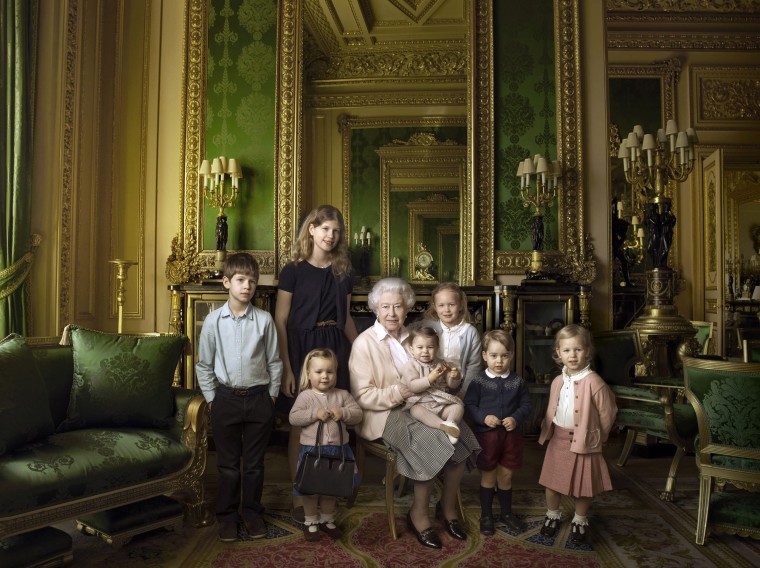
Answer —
500 447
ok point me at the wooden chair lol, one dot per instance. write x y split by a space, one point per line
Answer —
751 350
646 405
726 399
704 335
388 455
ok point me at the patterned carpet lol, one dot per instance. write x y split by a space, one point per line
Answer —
631 528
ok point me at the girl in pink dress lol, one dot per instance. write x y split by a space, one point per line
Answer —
579 418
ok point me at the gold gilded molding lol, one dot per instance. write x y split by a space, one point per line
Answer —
710 219
736 41
720 6
726 98
193 138
711 305
69 106
569 150
289 118
347 122
384 99
480 137
438 63
431 159
478 200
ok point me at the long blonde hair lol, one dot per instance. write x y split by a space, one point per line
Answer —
303 247
316 354
430 312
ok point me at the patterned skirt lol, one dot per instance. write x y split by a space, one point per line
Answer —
568 473
423 451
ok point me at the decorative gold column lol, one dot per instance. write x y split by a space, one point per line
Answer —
122 266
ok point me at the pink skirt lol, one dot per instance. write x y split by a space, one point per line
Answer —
568 473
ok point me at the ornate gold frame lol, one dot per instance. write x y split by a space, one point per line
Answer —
574 255
668 71
418 212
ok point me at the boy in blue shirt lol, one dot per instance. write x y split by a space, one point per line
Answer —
239 372
498 402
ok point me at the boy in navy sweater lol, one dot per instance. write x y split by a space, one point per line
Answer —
498 402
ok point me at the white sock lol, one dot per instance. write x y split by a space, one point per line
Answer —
311 521
554 514
579 520
328 519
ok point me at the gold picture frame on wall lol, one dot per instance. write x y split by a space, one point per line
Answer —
573 256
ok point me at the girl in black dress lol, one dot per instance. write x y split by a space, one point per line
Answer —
312 311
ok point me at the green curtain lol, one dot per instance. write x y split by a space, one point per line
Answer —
18 53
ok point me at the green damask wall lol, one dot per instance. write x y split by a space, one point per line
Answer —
240 115
525 104
365 187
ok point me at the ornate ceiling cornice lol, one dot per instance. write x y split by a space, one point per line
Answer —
720 6
683 41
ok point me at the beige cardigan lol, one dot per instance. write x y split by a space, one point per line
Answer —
374 382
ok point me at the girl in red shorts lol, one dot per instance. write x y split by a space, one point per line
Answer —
578 420
498 402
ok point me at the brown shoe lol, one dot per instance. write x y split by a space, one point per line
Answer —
228 532
256 527
334 533
309 535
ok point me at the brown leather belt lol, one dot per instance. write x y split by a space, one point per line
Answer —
325 323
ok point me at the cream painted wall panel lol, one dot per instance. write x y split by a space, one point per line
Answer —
127 235
596 161
47 176
165 157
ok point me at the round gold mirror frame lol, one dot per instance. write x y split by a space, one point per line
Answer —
574 256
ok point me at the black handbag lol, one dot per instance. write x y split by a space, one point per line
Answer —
325 475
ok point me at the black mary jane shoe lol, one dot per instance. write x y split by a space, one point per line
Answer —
428 537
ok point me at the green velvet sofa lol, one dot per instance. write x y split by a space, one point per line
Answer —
95 425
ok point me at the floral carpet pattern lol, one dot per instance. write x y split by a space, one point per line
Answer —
630 528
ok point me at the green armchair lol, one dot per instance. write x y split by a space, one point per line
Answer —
751 350
726 398
646 405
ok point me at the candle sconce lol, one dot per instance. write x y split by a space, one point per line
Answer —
649 164
396 266
546 180
214 179
363 248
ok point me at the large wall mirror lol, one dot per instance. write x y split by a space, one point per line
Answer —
482 80
639 94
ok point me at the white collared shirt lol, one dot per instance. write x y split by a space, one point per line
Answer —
451 346
566 405
400 355
494 375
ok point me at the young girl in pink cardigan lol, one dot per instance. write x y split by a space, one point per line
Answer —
578 420
319 400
